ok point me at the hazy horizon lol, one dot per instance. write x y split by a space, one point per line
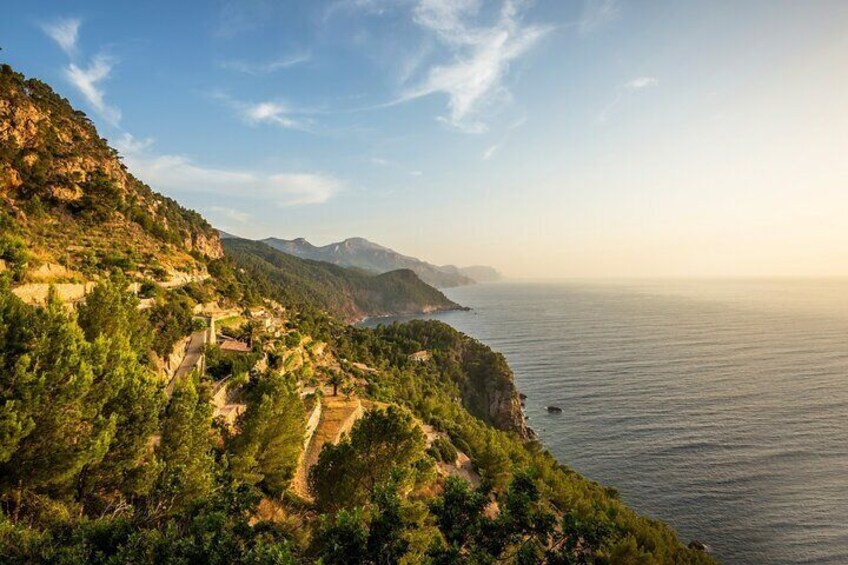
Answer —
550 140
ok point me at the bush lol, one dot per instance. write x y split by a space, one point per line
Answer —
13 251
443 450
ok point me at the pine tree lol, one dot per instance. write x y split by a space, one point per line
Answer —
384 444
270 439
111 310
185 448
57 388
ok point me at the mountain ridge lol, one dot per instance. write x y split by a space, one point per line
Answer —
348 293
365 254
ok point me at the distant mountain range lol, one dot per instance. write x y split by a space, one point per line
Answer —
346 293
360 253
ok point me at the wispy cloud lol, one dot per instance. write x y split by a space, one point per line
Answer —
480 56
236 17
177 173
270 112
230 214
639 83
266 67
596 13
65 33
493 149
628 88
490 151
380 162
87 80
378 7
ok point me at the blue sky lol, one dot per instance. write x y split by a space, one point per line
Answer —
547 138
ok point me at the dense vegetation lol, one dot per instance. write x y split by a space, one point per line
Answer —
101 462
343 293
101 494
80 480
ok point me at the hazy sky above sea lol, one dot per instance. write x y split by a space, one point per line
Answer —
550 138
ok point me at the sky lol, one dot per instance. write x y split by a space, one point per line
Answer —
547 138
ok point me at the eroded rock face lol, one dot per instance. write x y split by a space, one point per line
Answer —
207 246
54 152
9 179
18 123
490 391
505 411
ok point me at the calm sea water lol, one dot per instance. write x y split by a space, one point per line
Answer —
719 407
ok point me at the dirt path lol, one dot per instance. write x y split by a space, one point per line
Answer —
338 415
194 353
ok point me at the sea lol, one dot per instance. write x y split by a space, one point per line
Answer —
717 406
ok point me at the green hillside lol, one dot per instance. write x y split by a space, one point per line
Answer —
347 294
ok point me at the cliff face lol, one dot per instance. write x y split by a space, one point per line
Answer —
504 409
208 245
61 182
490 389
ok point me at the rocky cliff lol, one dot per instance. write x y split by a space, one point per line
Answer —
490 390
60 182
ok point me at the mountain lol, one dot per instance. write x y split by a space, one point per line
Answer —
477 273
363 254
349 294
68 205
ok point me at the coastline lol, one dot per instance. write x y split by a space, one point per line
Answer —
358 322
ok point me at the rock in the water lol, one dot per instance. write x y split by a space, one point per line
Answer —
699 545
554 409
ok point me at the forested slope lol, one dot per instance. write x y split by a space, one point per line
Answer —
347 294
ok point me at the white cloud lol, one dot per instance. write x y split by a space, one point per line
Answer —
177 173
268 112
480 56
639 83
129 145
86 80
267 67
596 13
65 33
230 214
